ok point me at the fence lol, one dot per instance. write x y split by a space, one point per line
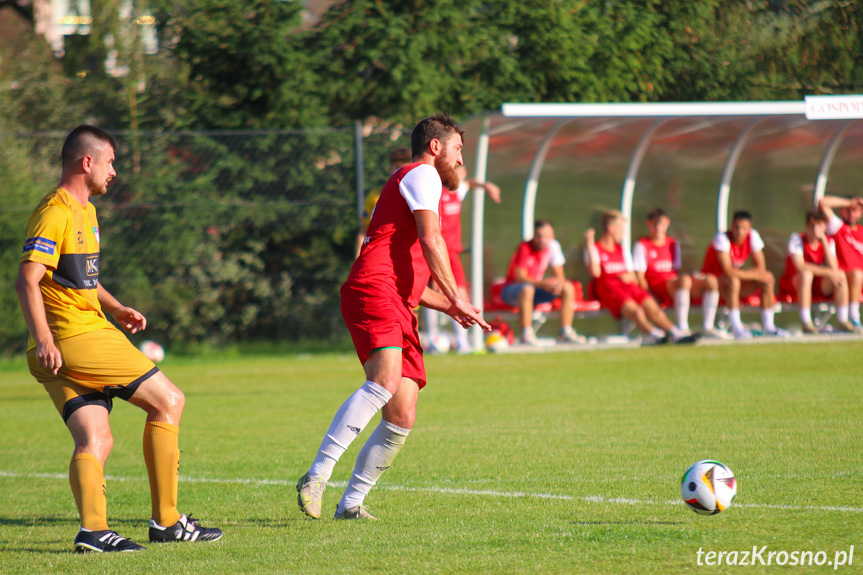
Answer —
216 236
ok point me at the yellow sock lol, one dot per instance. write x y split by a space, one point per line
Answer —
87 480
162 455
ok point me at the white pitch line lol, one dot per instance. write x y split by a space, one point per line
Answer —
450 491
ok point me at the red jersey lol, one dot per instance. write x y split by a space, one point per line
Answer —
739 253
536 262
391 261
613 263
450 218
659 263
849 243
797 245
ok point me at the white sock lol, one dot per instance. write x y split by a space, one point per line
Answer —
676 333
460 335
806 315
657 333
842 312
681 308
709 305
854 311
736 322
431 320
349 422
376 457
767 320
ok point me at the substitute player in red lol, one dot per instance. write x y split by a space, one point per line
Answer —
848 235
450 225
402 250
726 257
84 362
811 270
616 286
657 263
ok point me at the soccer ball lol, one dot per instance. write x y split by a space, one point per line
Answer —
153 351
708 487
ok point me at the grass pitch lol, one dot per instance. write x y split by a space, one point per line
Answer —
558 463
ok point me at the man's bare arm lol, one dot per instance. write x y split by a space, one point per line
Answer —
33 308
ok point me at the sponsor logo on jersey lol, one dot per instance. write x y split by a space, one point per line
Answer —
92 265
40 244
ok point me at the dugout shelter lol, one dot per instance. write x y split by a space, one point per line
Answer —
698 161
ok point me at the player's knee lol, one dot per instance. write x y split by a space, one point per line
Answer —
686 282
854 276
526 292
712 282
98 445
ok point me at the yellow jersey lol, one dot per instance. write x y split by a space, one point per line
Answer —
64 236
369 207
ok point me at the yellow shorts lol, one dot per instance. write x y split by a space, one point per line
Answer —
97 366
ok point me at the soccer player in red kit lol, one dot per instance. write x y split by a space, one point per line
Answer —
811 270
450 226
725 258
402 250
657 264
848 235
618 291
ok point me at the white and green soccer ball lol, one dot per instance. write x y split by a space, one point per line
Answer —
708 487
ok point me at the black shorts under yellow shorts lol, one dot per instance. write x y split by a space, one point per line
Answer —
97 366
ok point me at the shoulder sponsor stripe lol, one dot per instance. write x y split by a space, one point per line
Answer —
40 244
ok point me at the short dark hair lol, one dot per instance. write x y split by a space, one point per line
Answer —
437 127
816 216
81 141
655 214
540 224
741 215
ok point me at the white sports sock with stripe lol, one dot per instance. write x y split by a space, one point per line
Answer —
377 455
350 420
681 308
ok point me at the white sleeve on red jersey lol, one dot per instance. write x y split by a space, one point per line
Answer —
557 258
677 260
755 241
831 245
795 245
462 190
639 257
422 188
834 225
721 243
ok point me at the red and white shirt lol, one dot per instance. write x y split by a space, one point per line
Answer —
450 217
739 254
391 261
536 262
658 263
849 243
613 263
798 246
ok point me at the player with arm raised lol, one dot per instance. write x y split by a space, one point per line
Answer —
848 235
402 250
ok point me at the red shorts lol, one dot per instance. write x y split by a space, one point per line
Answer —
659 290
786 287
382 320
613 293
457 269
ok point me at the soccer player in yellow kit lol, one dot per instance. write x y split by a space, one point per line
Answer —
84 361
